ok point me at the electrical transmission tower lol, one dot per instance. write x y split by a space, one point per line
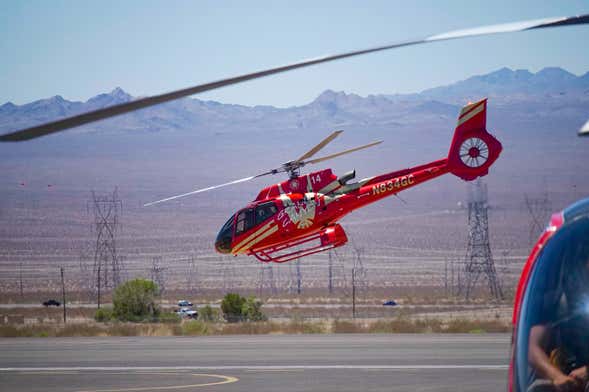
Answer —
229 276
158 274
295 279
330 274
266 280
539 210
479 260
360 281
107 263
192 276
335 273
299 277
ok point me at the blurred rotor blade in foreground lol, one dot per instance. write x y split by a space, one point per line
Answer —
140 103
584 131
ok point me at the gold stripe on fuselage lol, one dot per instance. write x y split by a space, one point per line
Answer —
253 235
262 236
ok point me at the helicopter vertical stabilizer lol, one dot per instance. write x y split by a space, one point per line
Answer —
473 149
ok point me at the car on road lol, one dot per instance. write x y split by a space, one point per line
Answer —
184 303
186 312
51 302
390 303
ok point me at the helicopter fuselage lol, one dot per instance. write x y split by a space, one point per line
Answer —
309 205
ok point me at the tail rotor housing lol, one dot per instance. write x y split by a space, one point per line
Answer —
473 149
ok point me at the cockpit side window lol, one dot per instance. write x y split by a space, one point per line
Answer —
553 329
265 211
245 221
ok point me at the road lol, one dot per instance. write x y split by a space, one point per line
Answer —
344 362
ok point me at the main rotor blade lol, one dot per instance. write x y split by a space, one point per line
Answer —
206 189
317 160
318 147
85 118
584 131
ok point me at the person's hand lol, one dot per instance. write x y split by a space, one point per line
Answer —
580 376
565 383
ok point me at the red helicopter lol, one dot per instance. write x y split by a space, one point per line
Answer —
298 217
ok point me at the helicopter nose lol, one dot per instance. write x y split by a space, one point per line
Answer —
223 245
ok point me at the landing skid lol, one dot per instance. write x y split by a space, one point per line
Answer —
329 238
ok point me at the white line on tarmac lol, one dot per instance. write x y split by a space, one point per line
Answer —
245 367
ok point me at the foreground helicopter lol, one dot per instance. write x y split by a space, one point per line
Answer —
298 217
550 342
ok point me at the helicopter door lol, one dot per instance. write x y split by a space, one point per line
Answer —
245 221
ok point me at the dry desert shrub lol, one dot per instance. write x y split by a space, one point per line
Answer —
343 326
249 328
197 328
294 326
477 326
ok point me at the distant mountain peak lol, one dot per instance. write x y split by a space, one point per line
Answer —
554 73
330 95
120 93
116 96
8 105
55 99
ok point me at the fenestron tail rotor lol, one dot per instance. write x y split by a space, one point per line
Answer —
140 103
290 167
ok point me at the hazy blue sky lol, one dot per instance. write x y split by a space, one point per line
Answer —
80 48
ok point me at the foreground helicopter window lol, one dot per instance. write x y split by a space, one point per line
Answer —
552 346
265 211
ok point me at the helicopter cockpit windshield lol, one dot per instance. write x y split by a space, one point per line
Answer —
223 241
552 338
241 222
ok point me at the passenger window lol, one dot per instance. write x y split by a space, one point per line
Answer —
245 221
265 211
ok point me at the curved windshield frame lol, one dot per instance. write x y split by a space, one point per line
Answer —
225 236
555 308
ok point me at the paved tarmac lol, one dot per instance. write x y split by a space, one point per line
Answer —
343 362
